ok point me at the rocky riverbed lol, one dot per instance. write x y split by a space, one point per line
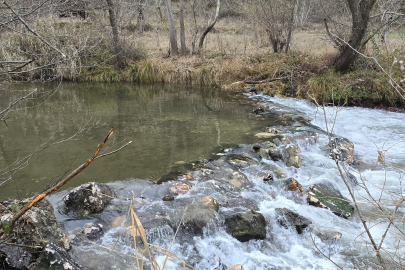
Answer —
217 205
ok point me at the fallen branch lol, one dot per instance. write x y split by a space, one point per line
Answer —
61 183
266 81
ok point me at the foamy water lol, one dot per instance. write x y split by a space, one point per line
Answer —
370 131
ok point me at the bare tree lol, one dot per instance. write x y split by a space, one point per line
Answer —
210 26
116 40
182 33
360 11
172 29
277 17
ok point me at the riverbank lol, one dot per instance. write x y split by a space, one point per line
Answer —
228 60
295 74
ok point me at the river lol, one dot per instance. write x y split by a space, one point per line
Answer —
168 125
171 125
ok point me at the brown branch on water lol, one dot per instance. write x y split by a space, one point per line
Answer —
57 186
266 81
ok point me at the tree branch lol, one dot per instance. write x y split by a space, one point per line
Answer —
31 30
56 187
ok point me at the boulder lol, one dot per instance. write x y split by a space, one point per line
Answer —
291 156
326 196
341 149
88 198
241 160
246 226
56 257
288 218
275 154
199 212
295 186
32 232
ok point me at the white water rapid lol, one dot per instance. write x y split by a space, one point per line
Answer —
370 131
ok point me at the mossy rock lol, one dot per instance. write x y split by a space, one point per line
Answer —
325 196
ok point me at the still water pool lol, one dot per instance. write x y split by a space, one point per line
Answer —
167 124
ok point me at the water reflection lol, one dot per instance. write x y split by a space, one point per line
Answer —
167 124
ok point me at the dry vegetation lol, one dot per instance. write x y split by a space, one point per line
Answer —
238 50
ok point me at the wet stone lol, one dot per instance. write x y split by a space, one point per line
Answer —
56 257
172 176
295 186
291 156
288 218
93 231
88 198
326 196
275 154
341 149
246 226
35 228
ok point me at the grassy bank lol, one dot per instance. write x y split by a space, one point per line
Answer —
230 60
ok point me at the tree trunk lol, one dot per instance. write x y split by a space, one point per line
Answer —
158 21
209 27
360 10
116 42
290 25
195 29
172 28
141 17
182 34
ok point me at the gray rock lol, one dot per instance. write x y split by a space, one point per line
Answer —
291 156
88 198
329 236
288 218
326 196
56 257
200 211
246 226
275 154
341 149
241 160
93 231
37 227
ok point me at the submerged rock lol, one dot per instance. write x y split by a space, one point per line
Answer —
88 198
199 212
321 195
171 176
246 226
288 218
291 156
242 160
329 236
341 149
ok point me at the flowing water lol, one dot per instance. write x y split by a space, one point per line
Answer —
174 125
